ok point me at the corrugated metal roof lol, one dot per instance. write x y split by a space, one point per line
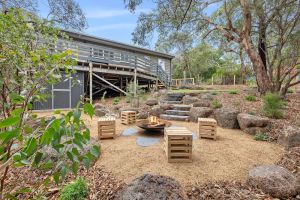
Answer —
111 43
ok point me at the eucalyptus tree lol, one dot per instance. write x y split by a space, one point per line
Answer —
267 30
66 14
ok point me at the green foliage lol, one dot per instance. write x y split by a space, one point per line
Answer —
214 93
250 98
252 112
116 101
216 104
273 105
75 191
261 137
290 91
233 92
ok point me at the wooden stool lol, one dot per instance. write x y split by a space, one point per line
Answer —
128 117
106 127
178 143
207 128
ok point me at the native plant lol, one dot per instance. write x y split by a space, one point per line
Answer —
216 104
28 64
250 98
273 105
77 190
116 101
261 137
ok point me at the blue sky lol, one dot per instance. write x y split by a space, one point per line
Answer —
109 18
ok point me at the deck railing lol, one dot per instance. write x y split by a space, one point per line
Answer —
91 52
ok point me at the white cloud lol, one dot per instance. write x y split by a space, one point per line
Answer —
100 14
111 27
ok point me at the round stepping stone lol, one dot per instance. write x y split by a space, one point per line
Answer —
146 141
129 132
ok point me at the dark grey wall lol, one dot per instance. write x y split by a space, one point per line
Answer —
65 94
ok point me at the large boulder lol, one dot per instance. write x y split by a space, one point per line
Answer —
187 99
151 102
142 115
156 111
100 112
247 121
290 136
227 118
197 112
201 103
207 96
166 106
273 180
151 187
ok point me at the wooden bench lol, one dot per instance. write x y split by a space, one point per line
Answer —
207 128
107 127
128 117
178 143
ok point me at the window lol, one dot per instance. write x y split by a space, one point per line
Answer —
161 63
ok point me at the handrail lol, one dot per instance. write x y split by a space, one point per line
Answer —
86 52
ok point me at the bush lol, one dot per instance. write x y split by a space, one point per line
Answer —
214 93
290 91
116 101
233 92
250 98
273 105
75 191
216 104
261 137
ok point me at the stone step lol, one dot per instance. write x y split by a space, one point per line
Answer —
174 117
174 97
171 102
178 112
182 107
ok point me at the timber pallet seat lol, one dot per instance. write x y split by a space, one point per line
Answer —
207 128
128 117
178 144
106 127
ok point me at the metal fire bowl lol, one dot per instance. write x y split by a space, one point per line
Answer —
144 124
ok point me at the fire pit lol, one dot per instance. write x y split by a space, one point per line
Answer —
153 124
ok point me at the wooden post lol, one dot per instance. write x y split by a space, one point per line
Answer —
184 77
233 79
121 84
135 74
91 82
156 84
212 80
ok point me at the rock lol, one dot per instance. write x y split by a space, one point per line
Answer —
255 130
227 118
197 112
151 187
201 103
290 136
100 112
142 115
99 106
156 95
166 106
246 121
273 180
162 92
187 99
207 97
156 111
151 102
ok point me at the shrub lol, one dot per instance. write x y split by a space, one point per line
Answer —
75 191
261 137
116 101
233 92
216 104
290 91
250 98
273 105
252 112
214 93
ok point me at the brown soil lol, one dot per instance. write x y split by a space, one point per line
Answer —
228 158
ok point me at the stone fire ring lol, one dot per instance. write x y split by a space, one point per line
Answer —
144 124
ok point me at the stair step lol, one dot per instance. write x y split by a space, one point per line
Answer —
178 112
174 117
182 107
172 102
174 97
